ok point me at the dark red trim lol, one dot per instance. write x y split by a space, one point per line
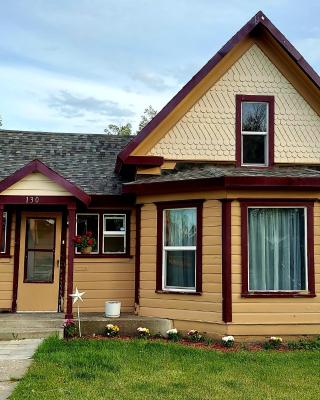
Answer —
226 261
72 226
148 161
137 255
39 166
198 204
178 292
16 261
266 99
6 254
37 200
244 246
258 20
63 259
228 182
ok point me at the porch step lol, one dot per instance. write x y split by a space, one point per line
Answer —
29 333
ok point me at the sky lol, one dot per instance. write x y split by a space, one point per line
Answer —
80 65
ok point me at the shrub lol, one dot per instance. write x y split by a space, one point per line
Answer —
195 336
70 328
273 343
112 330
305 344
173 335
143 332
228 341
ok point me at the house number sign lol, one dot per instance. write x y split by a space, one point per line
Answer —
32 199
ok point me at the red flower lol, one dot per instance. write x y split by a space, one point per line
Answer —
90 242
89 234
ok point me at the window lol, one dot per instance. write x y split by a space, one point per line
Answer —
278 249
114 233
4 233
179 247
88 223
254 125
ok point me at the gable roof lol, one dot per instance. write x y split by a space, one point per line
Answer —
259 20
86 161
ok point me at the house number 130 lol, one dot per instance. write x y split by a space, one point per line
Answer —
32 199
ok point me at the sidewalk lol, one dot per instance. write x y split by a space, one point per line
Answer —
15 358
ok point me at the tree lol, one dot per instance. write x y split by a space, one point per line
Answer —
0 121
146 117
119 130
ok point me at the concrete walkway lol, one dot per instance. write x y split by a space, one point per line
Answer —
15 358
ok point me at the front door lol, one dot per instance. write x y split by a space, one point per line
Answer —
39 265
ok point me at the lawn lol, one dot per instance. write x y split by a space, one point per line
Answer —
140 369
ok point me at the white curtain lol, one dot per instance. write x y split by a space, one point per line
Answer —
276 249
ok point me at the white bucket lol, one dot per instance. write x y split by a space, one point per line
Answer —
112 309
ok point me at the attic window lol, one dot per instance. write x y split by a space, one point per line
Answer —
254 130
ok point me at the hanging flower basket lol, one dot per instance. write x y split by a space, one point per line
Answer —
85 243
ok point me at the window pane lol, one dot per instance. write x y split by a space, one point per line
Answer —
40 233
180 269
253 149
114 244
114 223
277 258
39 266
88 223
4 233
180 227
254 117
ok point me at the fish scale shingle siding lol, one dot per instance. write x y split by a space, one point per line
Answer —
207 130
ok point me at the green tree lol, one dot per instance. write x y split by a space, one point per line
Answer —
146 117
119 130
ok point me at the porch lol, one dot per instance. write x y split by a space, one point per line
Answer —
40 325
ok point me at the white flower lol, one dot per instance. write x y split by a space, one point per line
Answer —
173 331
109 326
228 339
276 339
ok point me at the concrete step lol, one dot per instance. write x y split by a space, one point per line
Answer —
30 323
29 333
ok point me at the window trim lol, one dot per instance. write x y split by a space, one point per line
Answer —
98 238
161 206
309 221
240 98
100 254
7 236
115 233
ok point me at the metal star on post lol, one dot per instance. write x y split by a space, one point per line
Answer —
78 296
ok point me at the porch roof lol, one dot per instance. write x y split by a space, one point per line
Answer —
86 160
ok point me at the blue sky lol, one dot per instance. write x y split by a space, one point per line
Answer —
79 65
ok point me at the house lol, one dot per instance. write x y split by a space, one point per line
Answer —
209 217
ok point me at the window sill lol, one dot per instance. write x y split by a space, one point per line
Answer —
277 294
178 292
103 256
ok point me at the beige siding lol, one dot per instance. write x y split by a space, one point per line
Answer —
207 130
201 312
36 184
107 278
6 274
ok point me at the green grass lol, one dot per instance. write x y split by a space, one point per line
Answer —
140 369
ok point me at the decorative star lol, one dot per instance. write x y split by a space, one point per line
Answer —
77 296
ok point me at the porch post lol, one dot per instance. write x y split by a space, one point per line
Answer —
226 261
71 234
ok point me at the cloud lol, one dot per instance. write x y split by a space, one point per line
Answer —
152 80
71 105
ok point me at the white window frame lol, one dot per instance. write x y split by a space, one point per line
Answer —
177 248
5 215
305 249
98 244
115 233
265 134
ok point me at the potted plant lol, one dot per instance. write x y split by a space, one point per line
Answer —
85 243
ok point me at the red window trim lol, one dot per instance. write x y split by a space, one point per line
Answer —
198 204
309 205
266 99
6 253
100 253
